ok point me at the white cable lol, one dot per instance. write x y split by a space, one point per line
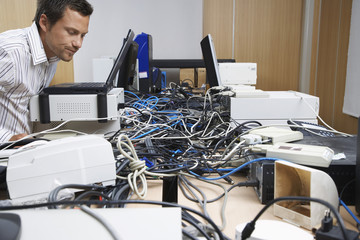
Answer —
137 167
233 151
51 130
318 116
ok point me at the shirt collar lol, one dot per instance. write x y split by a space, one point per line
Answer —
36 46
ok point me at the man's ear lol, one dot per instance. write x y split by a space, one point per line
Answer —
44 23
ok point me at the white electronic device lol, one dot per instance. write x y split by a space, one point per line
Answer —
238 73
274 230
74 224
277 108
33 172
64 107
82 109
277 134
101 67
309 155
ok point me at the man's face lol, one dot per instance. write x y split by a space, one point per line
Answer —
65 37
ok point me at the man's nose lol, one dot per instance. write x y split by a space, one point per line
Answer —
77 42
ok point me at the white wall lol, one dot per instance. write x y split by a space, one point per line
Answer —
352 88
175 27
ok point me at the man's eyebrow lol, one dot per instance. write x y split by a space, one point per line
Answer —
75 30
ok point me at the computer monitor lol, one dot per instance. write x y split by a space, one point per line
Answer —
127 70
210 60
357 174
121 58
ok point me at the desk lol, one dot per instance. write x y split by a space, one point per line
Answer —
172 140
242 205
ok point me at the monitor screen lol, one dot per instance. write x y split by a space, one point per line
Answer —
210 60
127 70
357 172
120 60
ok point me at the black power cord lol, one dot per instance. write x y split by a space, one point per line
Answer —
250 227
328 231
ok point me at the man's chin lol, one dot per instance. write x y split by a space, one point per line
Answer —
67 58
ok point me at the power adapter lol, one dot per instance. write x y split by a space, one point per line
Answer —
328 231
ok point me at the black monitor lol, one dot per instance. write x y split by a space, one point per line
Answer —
357 174
121 58
127 70
210 60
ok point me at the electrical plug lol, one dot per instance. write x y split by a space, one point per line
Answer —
328 231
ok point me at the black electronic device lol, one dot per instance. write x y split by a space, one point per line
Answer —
341 171
10 226
210 60
95 87
357 178
127 70
310 128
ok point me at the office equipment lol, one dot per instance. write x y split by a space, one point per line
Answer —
267 107
101 67
64 107
341 171
211 63
129 223
145 55
277 134
310 128
82 109
357 175
233 74
309 155
10 226
277 108
95 87
296 180
128 70
33 172
274 230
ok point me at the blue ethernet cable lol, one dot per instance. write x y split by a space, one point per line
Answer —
236 169
132 94
350 212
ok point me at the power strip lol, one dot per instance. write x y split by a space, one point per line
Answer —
309 155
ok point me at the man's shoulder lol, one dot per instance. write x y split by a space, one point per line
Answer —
14 39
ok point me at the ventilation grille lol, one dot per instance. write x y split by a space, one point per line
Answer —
71 108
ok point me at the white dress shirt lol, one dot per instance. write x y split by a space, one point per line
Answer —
24 72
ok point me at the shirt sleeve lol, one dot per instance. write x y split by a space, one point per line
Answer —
5 135
7 78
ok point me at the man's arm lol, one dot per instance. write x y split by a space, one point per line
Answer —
6 79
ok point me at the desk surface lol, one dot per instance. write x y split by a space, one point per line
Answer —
242 204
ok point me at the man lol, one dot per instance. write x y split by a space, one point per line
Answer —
29 57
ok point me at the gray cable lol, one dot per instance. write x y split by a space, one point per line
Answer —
101 220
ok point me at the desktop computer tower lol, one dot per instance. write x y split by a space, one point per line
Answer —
145 56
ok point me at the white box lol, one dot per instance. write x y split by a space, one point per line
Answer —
128 223
101 68
76 106
33 172
238 73
277 108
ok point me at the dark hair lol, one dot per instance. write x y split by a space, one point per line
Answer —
54 9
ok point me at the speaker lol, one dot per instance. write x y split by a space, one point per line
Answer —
296 180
